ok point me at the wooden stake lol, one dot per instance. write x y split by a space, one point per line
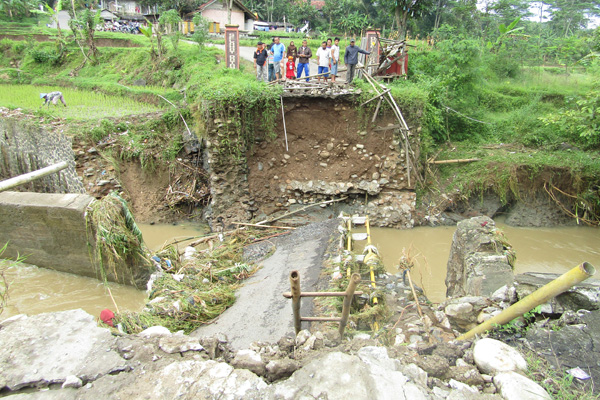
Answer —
463 160
284 130
376 110
412 288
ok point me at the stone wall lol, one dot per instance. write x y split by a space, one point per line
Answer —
25 148
49 230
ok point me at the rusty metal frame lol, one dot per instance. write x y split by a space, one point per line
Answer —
296 294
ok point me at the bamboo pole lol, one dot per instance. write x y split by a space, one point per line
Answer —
540 296
263 226
463 160
301 209
284 130
31 176
376 110
321 319
288 295
295 284
376 97
354 281
412 288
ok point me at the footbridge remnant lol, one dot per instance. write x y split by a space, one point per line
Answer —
331 145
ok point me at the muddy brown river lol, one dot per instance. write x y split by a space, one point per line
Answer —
36 290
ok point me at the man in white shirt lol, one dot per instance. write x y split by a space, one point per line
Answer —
335 58
323 57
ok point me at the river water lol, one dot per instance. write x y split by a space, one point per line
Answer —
554 250
36 290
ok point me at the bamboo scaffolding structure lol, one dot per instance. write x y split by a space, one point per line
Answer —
398 114
456 161
32 176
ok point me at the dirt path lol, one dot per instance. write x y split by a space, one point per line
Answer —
260 312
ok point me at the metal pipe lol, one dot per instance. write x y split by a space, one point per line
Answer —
31 176
354 280
295 284
540 296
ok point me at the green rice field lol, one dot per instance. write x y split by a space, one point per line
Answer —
81 104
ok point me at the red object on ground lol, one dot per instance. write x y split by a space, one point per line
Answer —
106 316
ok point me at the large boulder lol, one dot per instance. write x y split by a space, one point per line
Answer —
479 260
47 349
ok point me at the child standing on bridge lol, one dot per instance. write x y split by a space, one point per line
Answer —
290 68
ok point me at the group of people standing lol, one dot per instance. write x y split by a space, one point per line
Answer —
269 60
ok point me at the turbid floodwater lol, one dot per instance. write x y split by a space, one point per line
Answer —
36 290
554 250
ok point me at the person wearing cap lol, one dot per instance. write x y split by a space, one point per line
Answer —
260 62
290 68
52 97
304 55
323 56
351 59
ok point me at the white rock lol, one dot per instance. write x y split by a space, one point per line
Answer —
378 356
514 386
462 386
400 339
501 294
310 343
72 381
492 356
155 331
302 337
458 309
416 374
362 336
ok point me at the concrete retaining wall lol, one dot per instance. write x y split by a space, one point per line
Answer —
49 230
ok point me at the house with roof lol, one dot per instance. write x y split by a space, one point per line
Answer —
216 13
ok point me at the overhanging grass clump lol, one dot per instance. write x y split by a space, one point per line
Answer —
116 242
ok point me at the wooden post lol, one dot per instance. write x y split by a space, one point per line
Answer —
31 176
295 284
232 46
354 281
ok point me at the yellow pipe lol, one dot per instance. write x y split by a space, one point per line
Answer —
369 256
349 245
540 296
